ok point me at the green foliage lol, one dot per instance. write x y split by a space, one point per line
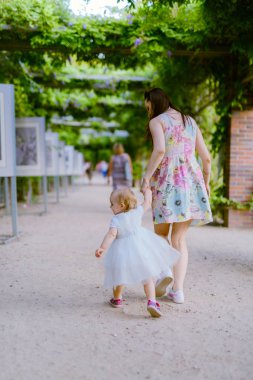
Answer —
199 51
28 189
219 202
137 170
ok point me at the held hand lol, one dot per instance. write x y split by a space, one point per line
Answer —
99 252
144 185
148 194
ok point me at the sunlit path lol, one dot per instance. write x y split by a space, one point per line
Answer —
55 322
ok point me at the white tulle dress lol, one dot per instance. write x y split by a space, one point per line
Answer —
137 254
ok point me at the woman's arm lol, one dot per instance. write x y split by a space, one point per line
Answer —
205 156
157 133
107 241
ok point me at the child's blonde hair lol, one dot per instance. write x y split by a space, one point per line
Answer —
125 197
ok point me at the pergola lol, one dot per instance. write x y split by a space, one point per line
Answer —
239 162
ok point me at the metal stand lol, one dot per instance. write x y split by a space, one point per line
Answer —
30 193
44 180
8 238
57 188
43 190
65 185
6 194
14 208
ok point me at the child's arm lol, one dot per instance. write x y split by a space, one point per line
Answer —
107 241
147 200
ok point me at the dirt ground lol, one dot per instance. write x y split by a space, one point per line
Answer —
55 322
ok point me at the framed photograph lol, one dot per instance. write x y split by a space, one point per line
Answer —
7 131
2 132
78 163
52 158
69 159
30 146
61 158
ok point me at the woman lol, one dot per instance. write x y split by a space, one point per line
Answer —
120 168
179 189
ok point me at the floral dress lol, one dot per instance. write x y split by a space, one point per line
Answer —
177 185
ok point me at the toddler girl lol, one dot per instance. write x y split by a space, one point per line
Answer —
135 254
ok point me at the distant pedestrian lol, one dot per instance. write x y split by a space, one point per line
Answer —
135 255
88 171
120 168
102 167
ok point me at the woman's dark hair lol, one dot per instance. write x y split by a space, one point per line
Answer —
160 102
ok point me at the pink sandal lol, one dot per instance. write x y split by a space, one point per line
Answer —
116 302
154 309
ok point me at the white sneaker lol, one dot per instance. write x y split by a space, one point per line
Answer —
161 286
176 296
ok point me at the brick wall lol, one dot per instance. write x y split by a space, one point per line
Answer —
240 167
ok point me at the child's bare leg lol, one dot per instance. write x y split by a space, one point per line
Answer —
149 289
153 307
117 292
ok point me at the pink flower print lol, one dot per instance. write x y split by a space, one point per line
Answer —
166 212
187 147
165 162
194 209
177 133
199 174
179 176
162 179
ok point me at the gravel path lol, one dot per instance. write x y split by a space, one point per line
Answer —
55 322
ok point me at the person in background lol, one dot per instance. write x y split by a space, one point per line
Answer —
120 168
88 171
102 168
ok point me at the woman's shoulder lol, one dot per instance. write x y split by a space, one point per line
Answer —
165 118
174 115
158 119
125 156
118 157
191 121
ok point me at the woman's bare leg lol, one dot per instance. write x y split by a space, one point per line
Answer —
165 277
162 230
178 240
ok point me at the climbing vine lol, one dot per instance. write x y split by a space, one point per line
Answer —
63 65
